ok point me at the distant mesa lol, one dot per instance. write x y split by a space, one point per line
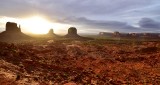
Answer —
72 34
13 32
51 33
130 35
72 31
116 34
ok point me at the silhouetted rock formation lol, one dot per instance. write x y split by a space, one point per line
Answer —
51 33
72 34
72 31
13 33
12 27
131 35
116 34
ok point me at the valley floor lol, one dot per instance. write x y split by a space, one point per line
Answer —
96 62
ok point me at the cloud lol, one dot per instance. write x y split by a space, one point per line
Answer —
94 14
149 23
101 25
16 8
77 8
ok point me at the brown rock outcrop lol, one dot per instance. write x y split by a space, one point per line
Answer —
12 27
72 34
72 31
51 34
13 33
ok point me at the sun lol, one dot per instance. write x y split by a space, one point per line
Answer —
36 25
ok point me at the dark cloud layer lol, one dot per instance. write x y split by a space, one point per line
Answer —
105 25
149 23
114 15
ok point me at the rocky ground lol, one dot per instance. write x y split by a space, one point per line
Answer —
96 62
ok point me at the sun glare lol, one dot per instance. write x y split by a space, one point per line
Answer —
36 25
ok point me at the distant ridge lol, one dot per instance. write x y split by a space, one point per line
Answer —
130 35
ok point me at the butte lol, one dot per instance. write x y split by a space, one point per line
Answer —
12 33
72 34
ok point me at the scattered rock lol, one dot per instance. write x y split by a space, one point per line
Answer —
18 77
50 41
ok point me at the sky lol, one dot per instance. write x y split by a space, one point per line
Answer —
88 16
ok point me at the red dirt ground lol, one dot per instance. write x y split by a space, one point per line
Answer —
80 63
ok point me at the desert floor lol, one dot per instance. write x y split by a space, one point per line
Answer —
73 62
